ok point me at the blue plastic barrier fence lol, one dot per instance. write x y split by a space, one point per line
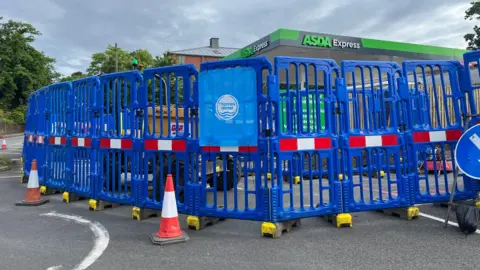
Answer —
30 135
432 137
372 141
56 169
84 124
170 135
233 138
471 84
305 181
119 141
246 140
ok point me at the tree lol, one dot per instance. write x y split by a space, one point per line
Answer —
473 13
74 76
143 56
23 69
104 62
164 60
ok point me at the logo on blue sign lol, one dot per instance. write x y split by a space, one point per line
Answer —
226 107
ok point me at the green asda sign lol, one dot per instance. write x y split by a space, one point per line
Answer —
312 111
251 50
318 41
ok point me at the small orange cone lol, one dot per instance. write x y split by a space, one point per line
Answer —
169 231
32 196
4 143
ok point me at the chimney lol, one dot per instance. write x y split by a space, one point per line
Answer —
214 43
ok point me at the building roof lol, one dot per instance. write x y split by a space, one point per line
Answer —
207 51
290 37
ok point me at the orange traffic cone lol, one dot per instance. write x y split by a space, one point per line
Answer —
4 143
169 231
32 196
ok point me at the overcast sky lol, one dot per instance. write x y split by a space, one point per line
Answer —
74 29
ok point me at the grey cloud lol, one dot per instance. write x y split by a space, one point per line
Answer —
75 29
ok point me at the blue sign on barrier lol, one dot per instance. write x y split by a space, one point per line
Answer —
467 152
228 102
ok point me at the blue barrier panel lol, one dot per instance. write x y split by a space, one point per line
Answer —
29 135
371 137
83 156
118 158
233 95
305 182
435 130
41 142
57 170
471 83
170 135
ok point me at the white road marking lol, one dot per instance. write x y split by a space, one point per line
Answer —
9 176
101 238
54 267
443 221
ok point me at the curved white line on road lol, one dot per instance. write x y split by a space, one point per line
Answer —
101 237
54 267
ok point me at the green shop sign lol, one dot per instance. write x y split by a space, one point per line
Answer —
318 41
251 50
326 42
312 110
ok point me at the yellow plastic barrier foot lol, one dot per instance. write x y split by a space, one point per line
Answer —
23 177
44 190
413 213
296 180
95 205
477 204
407 213
143 213
340 220
199 223
92 205
275 230
66 197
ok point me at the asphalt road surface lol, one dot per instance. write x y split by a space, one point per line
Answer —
14 147
62 236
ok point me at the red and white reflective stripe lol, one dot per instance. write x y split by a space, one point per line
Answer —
165 145
81 142
57 140
41 139
299 144
236 149
116 143
373 141
30 138
436 136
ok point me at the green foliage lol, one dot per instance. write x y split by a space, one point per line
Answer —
74 76
15 116
104 62
473 13
23 69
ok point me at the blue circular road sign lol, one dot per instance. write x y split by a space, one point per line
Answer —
467 152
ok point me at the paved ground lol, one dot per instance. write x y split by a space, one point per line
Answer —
14 147
376 241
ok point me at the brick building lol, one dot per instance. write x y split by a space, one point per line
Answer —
202 54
